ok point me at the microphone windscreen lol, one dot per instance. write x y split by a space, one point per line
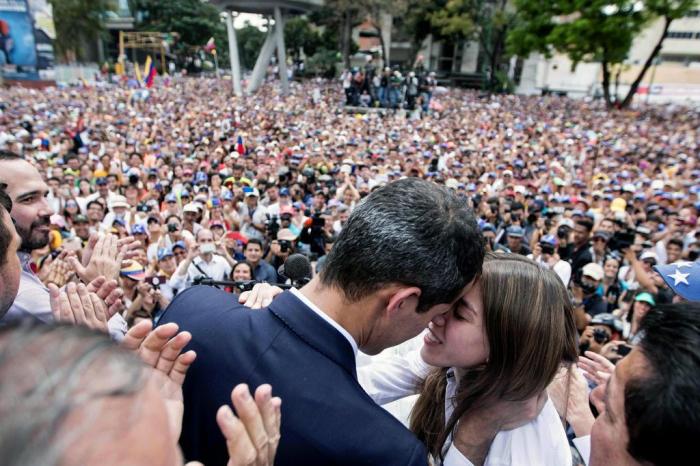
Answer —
297 267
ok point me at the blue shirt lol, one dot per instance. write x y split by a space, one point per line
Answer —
264 272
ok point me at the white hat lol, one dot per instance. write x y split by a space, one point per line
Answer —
648 255
119 201
593 271
254 192
191 207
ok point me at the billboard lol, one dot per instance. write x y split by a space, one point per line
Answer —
26 49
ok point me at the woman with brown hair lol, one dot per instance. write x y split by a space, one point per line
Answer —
504 341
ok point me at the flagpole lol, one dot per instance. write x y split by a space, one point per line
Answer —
216 63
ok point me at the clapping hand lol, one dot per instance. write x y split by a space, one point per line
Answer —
252 437
77 305
103 256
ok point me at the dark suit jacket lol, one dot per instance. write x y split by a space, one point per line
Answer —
327 418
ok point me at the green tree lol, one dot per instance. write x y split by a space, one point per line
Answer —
194 21
250 40
594 31
78 23
484 21
299 34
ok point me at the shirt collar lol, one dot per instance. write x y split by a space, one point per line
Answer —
325 317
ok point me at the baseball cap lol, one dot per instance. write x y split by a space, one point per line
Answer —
646 255
593 270
101 181
138 229
549 239
601 234
191 207
284 192
516 232
133 270
171 197
179 244
607 319
645 298
250 192
119 201
80 219
164 253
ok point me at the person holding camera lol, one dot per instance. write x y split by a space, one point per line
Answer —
280 250
586 300
201 262
601 330
545 253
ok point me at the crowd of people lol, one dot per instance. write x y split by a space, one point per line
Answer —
389 88
544 249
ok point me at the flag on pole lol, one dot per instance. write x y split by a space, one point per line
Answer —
150 72
240 148
210 46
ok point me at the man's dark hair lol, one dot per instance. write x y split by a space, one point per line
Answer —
6 234
95 202
587 223
662 406
9 155
253 241
411 232
675 242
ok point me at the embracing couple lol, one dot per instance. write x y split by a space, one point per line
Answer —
410 258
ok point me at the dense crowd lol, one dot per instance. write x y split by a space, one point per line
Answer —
166 187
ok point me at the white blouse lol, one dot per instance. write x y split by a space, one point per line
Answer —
540 442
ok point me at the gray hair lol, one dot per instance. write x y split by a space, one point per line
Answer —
46 372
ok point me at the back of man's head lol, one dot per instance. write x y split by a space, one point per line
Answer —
410 232
662 406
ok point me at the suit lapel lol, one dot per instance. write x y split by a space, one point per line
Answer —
316 332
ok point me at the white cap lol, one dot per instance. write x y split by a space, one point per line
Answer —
648 255
119 201
593 271
191 207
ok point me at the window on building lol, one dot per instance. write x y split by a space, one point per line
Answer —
693 14
680 35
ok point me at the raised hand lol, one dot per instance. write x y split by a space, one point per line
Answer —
160 349
595 367
252 437
105 260
108 291
76 305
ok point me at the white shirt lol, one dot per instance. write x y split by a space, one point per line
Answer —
561 268
217 269
326 317
33 300
541 442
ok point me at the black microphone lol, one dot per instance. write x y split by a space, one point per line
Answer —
297 269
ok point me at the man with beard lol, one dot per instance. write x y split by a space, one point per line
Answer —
31 213
9 262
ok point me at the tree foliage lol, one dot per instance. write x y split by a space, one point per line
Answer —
592 30
78 23
195 23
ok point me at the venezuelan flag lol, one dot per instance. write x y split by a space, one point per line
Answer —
240 148
150 72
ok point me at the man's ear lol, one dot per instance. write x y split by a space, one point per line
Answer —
402 300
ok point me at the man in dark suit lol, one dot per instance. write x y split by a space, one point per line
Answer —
407 253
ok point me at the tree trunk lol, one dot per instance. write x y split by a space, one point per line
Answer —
382 45
647 65
606 84
347 37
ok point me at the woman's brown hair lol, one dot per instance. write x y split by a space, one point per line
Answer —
530 328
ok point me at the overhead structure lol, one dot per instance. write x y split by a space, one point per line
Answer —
276 10
155 41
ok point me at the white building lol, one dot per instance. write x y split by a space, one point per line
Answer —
674 77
